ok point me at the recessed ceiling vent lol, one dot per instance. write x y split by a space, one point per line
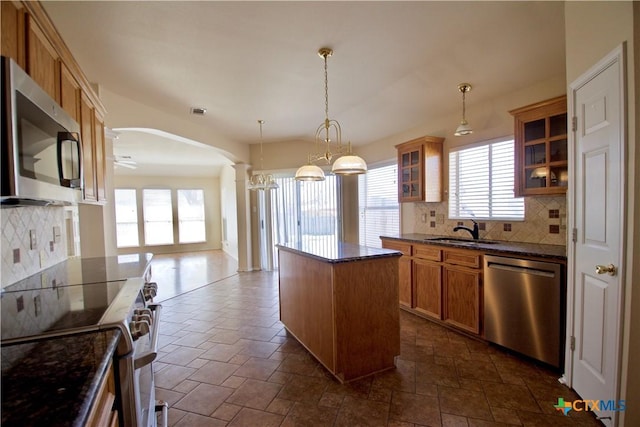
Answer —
198 111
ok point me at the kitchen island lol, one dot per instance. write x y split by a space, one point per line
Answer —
341 304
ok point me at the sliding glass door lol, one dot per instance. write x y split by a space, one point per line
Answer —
303 214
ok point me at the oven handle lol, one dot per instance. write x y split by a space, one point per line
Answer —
149 356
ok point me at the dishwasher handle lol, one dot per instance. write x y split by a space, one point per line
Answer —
521 270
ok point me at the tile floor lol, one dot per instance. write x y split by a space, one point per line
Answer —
225 360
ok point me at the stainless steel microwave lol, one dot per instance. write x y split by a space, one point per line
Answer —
41 147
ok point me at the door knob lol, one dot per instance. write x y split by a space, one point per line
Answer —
610 269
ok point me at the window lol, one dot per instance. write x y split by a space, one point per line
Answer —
191 227
158 217
126 218
481 182
379 208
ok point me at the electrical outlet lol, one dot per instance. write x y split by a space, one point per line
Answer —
33 240
16 256
424 217
43 258
56 234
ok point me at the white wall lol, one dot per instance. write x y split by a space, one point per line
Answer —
212 194
228 211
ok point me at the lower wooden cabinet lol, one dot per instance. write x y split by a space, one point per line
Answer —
462 289
102 412
428 287
441 283
462 303
405 282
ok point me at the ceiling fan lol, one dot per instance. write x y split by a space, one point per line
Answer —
125 162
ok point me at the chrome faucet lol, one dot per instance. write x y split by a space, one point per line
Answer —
474 233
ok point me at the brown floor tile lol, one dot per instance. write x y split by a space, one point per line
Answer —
413 408
359 412
172 375
505 415
254 394
253 418
307 414
473 369
510 396
303 389
204 399
182 356
280 406
220 352
226 411
467 403
260 369
195 420
214 372
449 420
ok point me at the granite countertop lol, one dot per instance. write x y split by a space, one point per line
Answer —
491 247
55 381
339 252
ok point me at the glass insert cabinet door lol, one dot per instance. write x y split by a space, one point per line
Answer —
541 148
419 170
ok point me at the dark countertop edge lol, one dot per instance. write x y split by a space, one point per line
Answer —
101 371
382 253
523 249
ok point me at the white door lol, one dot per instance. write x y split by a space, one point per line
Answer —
598 209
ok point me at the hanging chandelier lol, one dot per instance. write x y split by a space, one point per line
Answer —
326 147
463 128
261 181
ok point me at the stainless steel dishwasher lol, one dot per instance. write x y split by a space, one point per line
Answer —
524 307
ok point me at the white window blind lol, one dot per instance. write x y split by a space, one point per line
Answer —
158 217
379 208
126 217
191 225
481 183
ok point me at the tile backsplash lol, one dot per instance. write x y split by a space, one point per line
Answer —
33 238
545 222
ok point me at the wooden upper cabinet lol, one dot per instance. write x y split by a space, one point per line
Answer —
420 170
99 155
12 32
69 93
87 117
541 157
43 63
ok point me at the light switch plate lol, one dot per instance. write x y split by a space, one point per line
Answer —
33 240
56 234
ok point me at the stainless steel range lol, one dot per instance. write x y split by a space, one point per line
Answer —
84 295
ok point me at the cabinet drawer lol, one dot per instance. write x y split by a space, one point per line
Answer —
432 253
462 257
403 247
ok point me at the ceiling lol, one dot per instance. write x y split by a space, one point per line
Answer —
394 64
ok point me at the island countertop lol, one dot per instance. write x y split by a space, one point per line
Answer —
339 252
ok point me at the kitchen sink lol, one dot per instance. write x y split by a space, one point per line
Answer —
459 241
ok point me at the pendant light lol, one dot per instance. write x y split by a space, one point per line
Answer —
261 181
463 128
348 163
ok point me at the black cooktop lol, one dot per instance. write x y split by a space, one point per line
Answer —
72 295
